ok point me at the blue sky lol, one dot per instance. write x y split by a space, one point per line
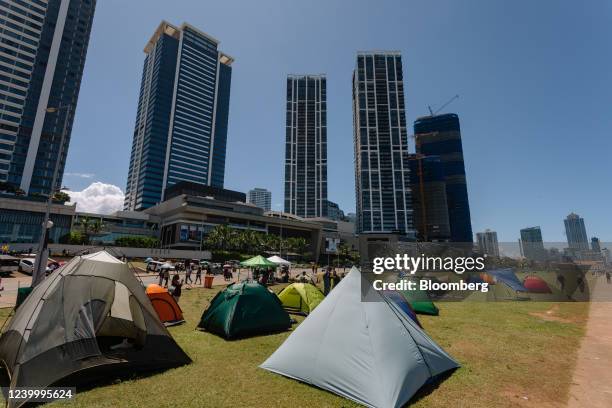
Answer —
534 79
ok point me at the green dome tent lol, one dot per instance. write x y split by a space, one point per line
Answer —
244 309
300 298
420 303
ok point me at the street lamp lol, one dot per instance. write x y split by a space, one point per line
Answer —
40 265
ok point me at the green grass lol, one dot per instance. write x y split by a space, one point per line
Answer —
507 354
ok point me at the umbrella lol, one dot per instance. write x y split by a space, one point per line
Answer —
278 260
257 261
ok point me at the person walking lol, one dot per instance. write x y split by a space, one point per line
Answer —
165 276
326 282
198 275
608 277
177 286
188 274
335 279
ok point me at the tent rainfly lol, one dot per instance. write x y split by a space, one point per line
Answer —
88 320
369 352
278 260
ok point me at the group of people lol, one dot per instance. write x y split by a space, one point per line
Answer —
331 279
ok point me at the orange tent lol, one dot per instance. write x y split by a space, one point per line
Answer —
167 309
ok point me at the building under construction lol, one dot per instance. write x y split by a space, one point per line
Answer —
430 208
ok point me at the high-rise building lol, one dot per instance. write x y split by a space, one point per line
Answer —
42 53
487 243
382 179
334 212
181 122
595 245
440 135
306 146
429 198
576 233
532 245
260 197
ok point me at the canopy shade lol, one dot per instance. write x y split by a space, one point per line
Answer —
257 261
278 260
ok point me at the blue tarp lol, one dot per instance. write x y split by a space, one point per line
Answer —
508 277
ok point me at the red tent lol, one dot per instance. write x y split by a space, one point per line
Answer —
536 284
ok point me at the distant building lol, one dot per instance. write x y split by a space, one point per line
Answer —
595 245
44 44
182 116
351 217
605 253
576 233
430 208
532 245
306 146
21 219
440 135
105 229
487 243
260 197
334 212
382 179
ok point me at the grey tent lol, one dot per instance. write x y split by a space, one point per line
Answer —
86 321
368 352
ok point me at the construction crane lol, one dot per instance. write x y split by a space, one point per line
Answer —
432 113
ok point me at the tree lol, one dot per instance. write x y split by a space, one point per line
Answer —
62 197
221 237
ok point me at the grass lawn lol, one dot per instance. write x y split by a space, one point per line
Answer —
512 354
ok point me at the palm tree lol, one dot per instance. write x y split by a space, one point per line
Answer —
221 237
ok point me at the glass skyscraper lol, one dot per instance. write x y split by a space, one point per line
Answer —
576 233
382 168
532 244
440 135
43 45
306 146
181 123
260 197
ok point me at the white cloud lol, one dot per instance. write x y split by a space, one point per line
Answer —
82 175
100 198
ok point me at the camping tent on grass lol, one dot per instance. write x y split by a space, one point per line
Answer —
420 303
244 309
535 284
368 352
507 286
301 298
85 321
168 311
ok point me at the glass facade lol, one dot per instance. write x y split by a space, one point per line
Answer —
576 233
43 46
181 127
306 146
260 197
382 181
440 135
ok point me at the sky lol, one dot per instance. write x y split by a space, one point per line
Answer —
534 80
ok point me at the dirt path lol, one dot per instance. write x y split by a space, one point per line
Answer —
592 382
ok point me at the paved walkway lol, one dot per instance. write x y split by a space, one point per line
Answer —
592 382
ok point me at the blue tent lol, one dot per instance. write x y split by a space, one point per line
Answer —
508 277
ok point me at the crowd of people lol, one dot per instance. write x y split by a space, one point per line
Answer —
264 275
